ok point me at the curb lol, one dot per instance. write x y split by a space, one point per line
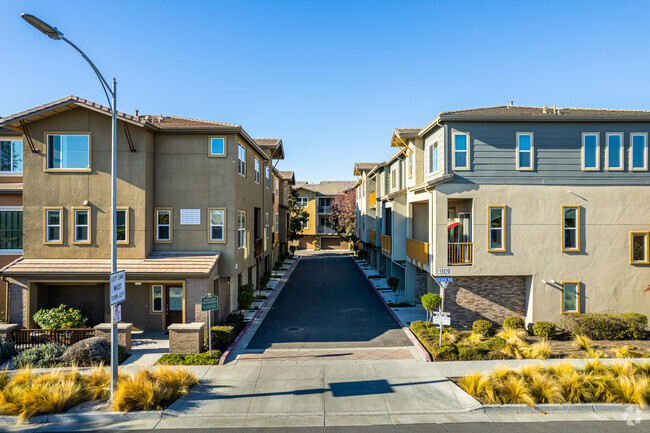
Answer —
277 289
559 408
423 352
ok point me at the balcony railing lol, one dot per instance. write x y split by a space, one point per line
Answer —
324 230
324 209
258 247
460 253
372 235
276 237
418 250
386 243
372 199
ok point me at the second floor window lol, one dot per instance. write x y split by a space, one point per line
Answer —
410 163
267 174
497 227
614 151
570 228
68 151
217 146
241 229
11 229
524 151
433 158
393 178
302 201
639 151
53 225
241 156
122 222
267 225
257 170
639 246
11 156
81 225
217 225
164 225
460 156
590 151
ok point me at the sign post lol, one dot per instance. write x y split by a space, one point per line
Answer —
443 281
209 303
117 295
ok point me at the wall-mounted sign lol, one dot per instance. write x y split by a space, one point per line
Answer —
444 271
190 217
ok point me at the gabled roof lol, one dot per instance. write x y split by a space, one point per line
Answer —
360 167
273 147
326 187
289 176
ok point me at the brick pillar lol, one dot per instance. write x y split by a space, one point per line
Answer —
420 284
186 338
123 333
5 330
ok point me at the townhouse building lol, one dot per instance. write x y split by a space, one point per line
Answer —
196 200
533 211
317 201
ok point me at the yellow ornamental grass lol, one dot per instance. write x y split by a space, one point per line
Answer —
539 350
575 388
513 336
623 351
148 390
530 370
514 389
582 342
97 383
545 389
628 389
479 386
561 369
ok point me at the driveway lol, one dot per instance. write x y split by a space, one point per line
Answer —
328 304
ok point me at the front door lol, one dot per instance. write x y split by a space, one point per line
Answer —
173 305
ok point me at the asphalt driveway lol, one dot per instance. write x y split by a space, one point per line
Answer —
328 303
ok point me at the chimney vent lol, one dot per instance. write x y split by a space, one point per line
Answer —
136 113
545 109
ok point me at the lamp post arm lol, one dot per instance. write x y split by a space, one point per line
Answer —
102 80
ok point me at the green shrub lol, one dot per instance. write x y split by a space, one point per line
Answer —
514 322
277 265
197 359
61 317
431 301
40 356
265 280
604 326
245 299
7 350
544 330
235 319
445 353
122 354
223 336
293 249
482 328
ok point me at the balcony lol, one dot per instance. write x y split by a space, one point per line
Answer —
276 237
325 209
372 199
372 237
324 230
386 244
418 250
459 253
258 247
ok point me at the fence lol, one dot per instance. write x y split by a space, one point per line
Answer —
28 338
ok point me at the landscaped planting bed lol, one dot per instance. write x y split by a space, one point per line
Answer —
197 359
618 382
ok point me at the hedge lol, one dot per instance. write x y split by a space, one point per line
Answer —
604 326
544 330
223 336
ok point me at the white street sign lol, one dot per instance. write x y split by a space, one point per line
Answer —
118 313
441 320
118 287
441 313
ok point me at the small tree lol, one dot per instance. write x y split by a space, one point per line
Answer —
430 302
344 215
246 297
298 217
393 283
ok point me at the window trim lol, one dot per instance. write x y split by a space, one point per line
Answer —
582 152
241 163
73 225
578 229
267 176
645 153
532 152
214 241
621 152
225 146
69 170
647 248
393 170
162 299
578 294
11 140
503 229
256 169
239 212
453 151
13 252
171 225
126 209
45 210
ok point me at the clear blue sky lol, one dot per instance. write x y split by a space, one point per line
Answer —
331 78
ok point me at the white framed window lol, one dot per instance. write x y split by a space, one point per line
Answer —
277 187
638 151
81 231
614 151
639 246
460 151
156 299
570 228
433 158
241 158
497 228
11 230
163 225
410 162
525 151
241 229
302 201
217 146
68 152
216 224
277 222
267 176
570 296
304 224
53 223
590 151
11 156
393 178
267 225
257 170
122 223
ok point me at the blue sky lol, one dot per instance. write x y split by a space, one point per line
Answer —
331 78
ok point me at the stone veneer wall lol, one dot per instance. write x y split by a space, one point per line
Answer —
489 298
420 285
19 302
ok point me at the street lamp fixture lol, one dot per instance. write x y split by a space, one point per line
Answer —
55 34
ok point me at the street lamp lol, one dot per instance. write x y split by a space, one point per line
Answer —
55 34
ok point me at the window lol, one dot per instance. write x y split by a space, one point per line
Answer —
570 296
410 163
11 156
241 229
217 146
277 188
497 228
241 155
267 225
302 201
81 233
614 151
525 152
639 151
570 228
433 158
122 222
156 299
393 178
277 222
590 151
68 151
460 157
267 174
639 247
304 225
11 230
257 170
217 222
52 222
163 225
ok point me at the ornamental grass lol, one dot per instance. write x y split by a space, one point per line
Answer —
562 383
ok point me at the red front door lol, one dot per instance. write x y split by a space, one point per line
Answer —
173 305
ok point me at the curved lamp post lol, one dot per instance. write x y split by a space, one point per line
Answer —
54 33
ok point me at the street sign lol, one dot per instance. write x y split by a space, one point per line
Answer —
443 279
441 318
209 302
118 313
118 287
441 313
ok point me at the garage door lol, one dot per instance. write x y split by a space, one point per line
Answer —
334 244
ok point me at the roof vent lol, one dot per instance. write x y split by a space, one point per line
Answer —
136 113
511 104
545 109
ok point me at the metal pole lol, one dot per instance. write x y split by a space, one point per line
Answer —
210 332
441 309
114 239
